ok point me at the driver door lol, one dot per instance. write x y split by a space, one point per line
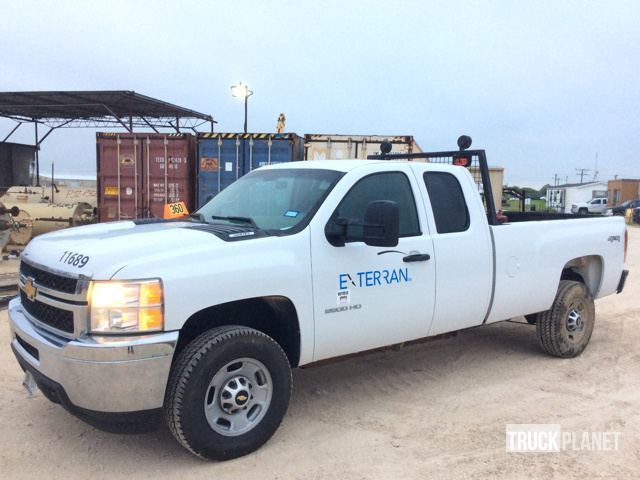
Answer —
364 296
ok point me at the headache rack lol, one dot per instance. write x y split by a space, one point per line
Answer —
474 160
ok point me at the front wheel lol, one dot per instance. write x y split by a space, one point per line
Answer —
583 211
228 392
565 329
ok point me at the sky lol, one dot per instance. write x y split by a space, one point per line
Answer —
543 86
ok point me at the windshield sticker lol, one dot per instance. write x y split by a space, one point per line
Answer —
291 213
373 278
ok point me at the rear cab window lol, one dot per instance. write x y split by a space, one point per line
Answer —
448 204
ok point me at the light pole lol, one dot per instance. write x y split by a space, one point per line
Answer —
242 91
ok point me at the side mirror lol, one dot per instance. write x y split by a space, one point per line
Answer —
382 224
380 228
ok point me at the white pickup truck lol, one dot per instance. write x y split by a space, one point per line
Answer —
198 322
595 205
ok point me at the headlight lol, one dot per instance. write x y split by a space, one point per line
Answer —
126 306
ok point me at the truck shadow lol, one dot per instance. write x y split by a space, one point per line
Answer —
428 362
380 376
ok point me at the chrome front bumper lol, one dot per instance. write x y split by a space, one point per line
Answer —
101 374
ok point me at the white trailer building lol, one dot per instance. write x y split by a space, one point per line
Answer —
561 197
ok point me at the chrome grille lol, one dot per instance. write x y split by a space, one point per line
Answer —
48 279
49 315
54 301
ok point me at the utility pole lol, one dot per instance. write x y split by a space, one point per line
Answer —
582 172
555 179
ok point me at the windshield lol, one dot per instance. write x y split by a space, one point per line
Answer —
275 200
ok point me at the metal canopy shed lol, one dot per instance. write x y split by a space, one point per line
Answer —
95 109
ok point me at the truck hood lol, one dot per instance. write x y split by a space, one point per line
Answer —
111 246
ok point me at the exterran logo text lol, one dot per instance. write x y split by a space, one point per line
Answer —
373 278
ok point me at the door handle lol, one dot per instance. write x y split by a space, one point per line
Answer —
417 257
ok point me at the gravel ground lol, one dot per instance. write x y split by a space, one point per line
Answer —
436 409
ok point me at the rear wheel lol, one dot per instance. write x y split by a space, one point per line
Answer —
565 329
228 392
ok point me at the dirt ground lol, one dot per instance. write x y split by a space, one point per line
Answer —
433 410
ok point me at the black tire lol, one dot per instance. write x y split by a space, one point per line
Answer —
583 211
189 388
565 329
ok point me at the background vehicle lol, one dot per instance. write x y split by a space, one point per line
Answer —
198 322
620 209
595 205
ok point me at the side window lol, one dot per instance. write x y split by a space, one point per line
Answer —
447 202
392 186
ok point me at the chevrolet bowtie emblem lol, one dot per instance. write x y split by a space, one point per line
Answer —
242 398
29 289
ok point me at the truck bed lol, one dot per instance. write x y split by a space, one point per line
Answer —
515 217
530 258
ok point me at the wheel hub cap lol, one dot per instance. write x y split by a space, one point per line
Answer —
235 394
238 396
574 321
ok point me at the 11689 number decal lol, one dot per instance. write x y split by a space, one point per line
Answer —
75 259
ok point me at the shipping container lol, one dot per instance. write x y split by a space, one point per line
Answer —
138 173
339 147
225 157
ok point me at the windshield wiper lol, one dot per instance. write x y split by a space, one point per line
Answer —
248 220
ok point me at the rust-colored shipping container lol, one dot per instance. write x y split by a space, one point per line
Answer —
138 173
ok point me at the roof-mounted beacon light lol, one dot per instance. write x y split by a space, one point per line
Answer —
461 159
385 147
464 142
